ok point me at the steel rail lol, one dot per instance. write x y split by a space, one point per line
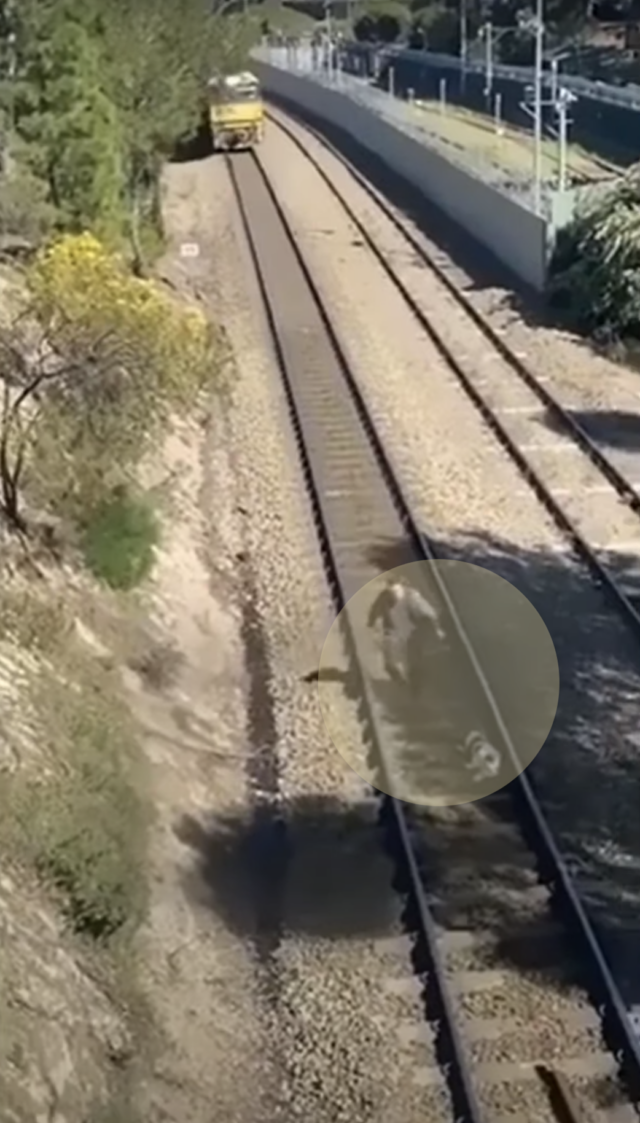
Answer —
620 485
463 1093
624 489
554 873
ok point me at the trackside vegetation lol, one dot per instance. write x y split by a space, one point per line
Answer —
97 359
100 94
595 271
94 367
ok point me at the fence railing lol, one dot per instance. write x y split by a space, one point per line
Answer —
627 96
313 63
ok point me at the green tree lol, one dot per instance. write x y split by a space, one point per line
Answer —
157 59
66 124
101 95
91 372
382 21
595 271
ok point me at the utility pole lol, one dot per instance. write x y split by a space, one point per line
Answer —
327 10
554 79
464 45
487 32
563 100
562 142
537 174
535 25
491 36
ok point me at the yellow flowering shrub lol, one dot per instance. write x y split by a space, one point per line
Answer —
116 356
89 300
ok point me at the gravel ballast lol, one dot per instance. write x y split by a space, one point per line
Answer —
331 1004
465 490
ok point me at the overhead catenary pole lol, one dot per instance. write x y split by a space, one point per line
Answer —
497 115
537 140
554 80
562 145
564 100
464 43
327 10
488 45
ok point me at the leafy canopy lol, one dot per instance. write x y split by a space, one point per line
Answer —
102 93
595 272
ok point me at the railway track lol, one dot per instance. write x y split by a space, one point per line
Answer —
491 1064
585 488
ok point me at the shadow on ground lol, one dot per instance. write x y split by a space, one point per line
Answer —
332 888
614 428
587 774
587 777
336 897
192 146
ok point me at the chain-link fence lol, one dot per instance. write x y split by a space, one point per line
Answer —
322 65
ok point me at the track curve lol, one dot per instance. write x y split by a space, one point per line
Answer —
509 395
357 499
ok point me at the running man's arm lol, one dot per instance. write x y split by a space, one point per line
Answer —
381 607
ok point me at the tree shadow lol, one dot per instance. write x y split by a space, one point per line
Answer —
613 427
332 890
193 146
587 774
332 894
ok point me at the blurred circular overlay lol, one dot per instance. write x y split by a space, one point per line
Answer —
457 712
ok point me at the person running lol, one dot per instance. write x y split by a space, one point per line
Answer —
403 612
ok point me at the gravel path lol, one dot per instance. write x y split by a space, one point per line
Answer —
467 492
330 1004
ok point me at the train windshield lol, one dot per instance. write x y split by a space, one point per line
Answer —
234 92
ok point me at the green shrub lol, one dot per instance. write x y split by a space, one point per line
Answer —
595 270
84 828
83 853
120 539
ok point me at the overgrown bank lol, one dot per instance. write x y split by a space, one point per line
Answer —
96 365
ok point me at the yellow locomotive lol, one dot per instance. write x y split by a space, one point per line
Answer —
235 111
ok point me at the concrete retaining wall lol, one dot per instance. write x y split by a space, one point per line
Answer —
516 236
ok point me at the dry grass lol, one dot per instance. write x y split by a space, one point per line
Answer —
36 621
512 150
78 818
